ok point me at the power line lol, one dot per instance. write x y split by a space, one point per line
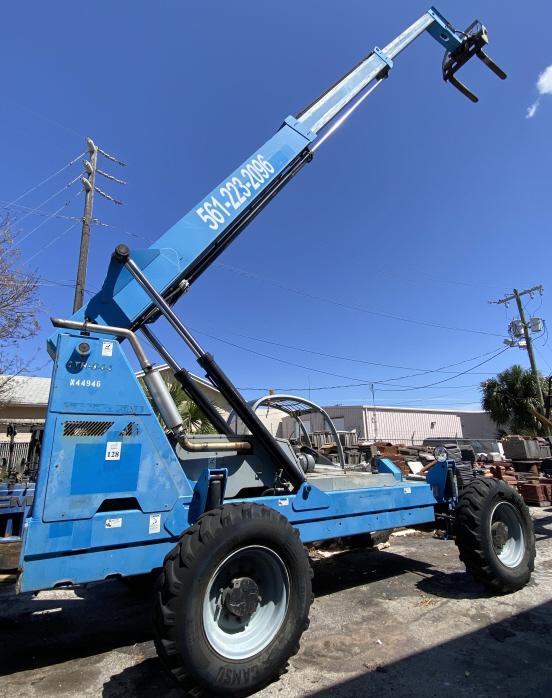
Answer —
43 222
359 382
462 373
42 116
361 361
357 308
58 237
39 211
53 196
46 179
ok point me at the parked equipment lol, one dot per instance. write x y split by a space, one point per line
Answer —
224 517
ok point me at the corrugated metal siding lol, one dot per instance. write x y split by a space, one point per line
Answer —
409 427
404 426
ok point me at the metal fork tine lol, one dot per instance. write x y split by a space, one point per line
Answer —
463 89
491 64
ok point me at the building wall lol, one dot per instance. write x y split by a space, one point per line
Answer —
398 425
344 419
14 413
410 427
478 425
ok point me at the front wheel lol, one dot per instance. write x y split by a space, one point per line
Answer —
233 600
495 536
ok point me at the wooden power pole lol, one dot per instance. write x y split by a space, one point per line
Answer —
89 185
88 182
516 295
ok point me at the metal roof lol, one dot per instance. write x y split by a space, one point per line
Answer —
26 390
34 390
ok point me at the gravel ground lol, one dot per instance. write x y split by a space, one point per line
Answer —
405 621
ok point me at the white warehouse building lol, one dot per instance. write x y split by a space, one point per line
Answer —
404 425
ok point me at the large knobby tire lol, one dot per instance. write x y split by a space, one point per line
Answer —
495 536
233 600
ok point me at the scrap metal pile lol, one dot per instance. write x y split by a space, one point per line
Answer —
526 464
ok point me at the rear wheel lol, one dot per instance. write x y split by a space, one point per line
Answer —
233 600
494 535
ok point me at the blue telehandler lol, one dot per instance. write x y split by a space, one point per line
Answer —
223 519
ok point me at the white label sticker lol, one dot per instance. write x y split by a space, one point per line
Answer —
114 523
113 450
408 490
283 502
107 348
155 523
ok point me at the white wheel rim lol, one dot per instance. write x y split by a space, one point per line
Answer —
238 638
507 535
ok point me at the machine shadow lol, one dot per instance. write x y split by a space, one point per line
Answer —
38 632
543 527
505 658
353 568
108 615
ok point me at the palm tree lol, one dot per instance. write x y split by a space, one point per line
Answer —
508 399
195 421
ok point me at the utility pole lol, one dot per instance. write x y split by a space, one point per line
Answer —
516 331
89 185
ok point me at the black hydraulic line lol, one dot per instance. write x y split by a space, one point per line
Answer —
212 252
265 439
189 386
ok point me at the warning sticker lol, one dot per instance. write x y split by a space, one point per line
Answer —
107 348
113 450
283 502
407 490
155 523
114 523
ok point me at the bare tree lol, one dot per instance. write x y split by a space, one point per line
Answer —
18 307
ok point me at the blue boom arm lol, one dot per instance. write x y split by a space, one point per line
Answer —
179 256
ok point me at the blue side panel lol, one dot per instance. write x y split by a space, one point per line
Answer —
94 565
108 477
97 404
345 503
115 475
354 525
121 301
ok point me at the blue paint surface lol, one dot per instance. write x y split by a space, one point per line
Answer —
92 473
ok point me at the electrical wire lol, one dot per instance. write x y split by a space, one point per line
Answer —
57 193
462 373
40 212
347 306
46 179
58 237
362 361
49 218
359 381
43 116
316 370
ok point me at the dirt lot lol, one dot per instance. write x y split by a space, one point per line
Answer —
405 621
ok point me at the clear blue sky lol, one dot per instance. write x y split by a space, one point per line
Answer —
423 206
